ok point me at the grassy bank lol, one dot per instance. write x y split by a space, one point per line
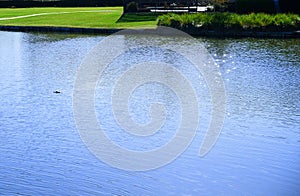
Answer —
103 17
112 17
231 21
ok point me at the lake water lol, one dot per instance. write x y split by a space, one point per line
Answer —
257 153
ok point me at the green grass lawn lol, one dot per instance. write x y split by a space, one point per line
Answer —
101 17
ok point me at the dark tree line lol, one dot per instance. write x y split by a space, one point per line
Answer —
240 6
59 3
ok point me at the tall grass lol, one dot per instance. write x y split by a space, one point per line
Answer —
232 21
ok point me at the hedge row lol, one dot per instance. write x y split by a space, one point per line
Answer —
232 21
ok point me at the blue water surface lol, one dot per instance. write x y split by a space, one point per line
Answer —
41 152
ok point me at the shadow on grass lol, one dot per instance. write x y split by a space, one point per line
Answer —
138 17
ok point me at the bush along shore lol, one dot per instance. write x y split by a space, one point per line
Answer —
234 25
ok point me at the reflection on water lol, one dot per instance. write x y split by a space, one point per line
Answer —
258 152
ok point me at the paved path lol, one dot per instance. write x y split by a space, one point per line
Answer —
52 13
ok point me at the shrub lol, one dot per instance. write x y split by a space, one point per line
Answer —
220 7
132 7
232 21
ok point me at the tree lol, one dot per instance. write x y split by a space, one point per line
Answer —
219 5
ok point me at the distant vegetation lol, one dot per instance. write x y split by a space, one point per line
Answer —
232 21
289 6
237 6
249 6
267 6
59 3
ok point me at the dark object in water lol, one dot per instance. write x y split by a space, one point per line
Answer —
56 92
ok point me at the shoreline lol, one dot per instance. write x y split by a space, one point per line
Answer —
193 32
242 33
53 29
